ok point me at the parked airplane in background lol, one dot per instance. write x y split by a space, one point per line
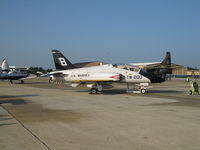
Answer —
100 77
157 68
10 74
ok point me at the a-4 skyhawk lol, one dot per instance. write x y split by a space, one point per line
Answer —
98 78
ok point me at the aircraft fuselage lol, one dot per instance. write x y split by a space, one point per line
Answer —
100 73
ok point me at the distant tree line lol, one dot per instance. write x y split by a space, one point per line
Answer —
191 68
34 70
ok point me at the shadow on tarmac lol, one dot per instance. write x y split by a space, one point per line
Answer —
2 119
5 118
123 91
18 96
15 100
105 92
164 91
6 124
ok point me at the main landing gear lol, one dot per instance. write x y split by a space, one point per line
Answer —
96 88
93 91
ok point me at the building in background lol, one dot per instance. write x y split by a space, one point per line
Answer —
181 71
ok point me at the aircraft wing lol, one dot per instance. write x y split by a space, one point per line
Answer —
157 66
51 73
29 77
145 63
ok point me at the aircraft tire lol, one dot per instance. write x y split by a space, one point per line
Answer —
190 92
22 82
93 91
143 91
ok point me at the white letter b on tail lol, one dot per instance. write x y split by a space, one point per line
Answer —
62 61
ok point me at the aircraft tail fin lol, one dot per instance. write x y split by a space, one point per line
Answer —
4 65
167 59
61 62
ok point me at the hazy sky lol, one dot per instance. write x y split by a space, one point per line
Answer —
115 31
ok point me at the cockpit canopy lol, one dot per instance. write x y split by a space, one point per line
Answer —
128 67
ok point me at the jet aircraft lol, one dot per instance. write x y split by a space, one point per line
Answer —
98 78
157 68
9 74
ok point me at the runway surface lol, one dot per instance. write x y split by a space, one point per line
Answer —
39 115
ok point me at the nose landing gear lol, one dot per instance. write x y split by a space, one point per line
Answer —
143 90
137 88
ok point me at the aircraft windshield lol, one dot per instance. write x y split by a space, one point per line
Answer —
132 68
128 67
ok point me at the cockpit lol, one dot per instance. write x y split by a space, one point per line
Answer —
17 71
128 67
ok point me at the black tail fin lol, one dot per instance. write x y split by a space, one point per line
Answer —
61 62
167 60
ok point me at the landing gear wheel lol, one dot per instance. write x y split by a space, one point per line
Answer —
93 91
190 92
143 91
22 82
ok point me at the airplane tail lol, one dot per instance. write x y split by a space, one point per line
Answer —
167 59
61 62
4 65
166 69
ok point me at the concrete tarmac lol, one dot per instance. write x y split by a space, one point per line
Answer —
38 115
